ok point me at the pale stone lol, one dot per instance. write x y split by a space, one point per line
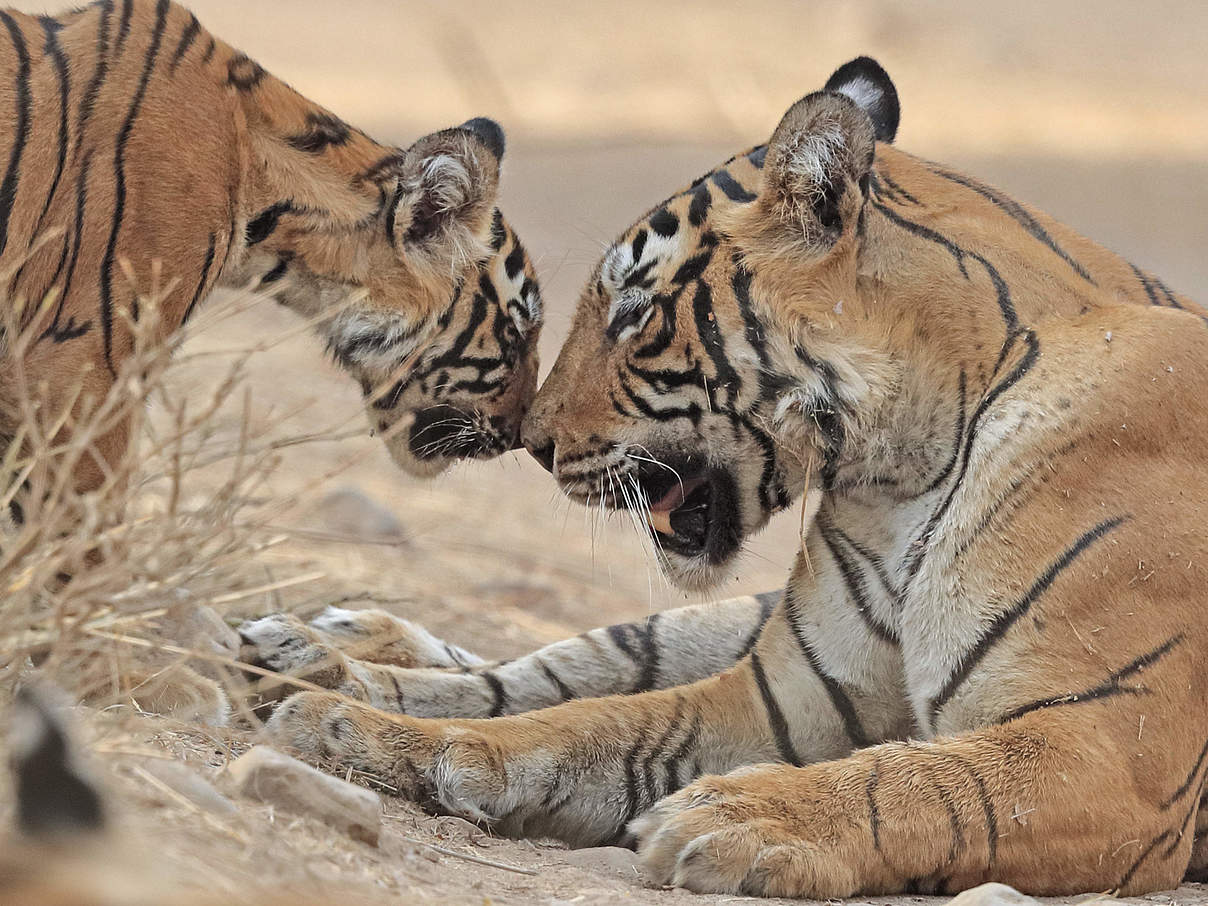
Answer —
277 779
993 895
188 783
350 513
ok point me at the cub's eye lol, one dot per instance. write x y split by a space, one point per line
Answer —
628 315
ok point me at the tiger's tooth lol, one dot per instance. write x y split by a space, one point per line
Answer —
660 521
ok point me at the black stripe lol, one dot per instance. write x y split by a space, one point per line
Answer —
652 792
632 792
205 276
780 727
1016 374
1005 305
897 189
263 224
1186 784
983 796
767 603
52 47
1187 816
1150 847
277 271
709 331
1144 280
20 131
874 813
54 330
1019 214
839 699
1107 689
499 696
625 635
119 168
874 560
1005 620
672 764
856 587
730 186
210 48
398 694
564 691
322 132
187 37
88 102
956 443
124 30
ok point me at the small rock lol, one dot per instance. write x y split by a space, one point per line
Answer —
189 784
993 895
277 779
350 513
607 859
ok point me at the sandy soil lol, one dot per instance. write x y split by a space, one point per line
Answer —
1098 115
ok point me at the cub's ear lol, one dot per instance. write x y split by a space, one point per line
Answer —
447 189
865 82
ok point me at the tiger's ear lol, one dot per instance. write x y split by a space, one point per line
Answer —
816 174
447 188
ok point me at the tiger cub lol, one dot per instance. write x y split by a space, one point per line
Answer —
990 662
136 141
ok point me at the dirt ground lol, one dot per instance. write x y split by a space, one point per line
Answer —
1097 113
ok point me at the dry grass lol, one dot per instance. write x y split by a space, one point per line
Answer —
91 579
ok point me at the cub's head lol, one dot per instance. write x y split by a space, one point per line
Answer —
714 365
423 292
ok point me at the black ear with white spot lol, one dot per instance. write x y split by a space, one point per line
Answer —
447 188
865 82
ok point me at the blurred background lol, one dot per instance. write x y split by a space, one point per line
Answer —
1095 112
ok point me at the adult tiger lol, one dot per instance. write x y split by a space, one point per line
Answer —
135 139
999 426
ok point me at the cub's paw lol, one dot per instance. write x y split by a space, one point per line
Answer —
738 834
383 638
445 768
284 644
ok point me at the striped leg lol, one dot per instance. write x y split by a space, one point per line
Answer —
584 769
1031 802
378 658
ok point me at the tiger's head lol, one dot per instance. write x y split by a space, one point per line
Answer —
463 393
420 288
722 353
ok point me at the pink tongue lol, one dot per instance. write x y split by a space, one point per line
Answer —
676 496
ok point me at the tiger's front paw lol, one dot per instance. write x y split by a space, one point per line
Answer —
741 834
441 766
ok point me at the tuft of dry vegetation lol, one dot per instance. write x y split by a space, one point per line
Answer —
92 581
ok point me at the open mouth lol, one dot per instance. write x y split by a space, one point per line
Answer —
693 508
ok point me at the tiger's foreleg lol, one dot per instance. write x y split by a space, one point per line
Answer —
583 770
1053 803
361 653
